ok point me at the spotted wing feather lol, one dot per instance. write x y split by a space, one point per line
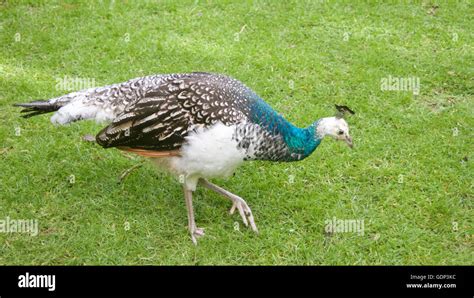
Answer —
163 118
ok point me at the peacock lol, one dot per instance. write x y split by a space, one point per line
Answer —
198 126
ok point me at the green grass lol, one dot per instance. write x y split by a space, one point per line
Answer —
333 53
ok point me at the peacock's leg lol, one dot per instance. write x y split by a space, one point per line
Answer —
238 203
193 230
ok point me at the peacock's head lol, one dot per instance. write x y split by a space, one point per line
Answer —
336 127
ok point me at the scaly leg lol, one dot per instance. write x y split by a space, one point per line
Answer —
238 203
193 230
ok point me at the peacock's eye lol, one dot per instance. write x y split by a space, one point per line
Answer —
340 132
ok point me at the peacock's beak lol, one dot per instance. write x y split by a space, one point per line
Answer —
348 141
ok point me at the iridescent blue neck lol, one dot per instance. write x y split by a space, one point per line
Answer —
300 142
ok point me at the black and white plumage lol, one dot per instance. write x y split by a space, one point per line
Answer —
197 125
163 117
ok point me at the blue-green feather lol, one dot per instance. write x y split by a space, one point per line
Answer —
301 142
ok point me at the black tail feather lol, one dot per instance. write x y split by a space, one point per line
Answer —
36 107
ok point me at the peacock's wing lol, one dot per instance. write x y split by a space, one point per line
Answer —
163 118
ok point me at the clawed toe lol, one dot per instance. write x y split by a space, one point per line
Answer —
237 203
199 232
196 233
245 213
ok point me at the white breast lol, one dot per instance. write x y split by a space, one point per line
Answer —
207 153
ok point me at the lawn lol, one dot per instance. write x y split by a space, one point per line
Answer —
409 178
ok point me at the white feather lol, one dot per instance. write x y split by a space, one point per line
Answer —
79 110
208 153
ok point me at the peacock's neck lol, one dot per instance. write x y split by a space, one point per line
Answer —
284 141
301 142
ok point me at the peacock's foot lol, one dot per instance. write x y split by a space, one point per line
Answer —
244 211
238 203
196 233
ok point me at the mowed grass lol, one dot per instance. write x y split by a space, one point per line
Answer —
409 177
